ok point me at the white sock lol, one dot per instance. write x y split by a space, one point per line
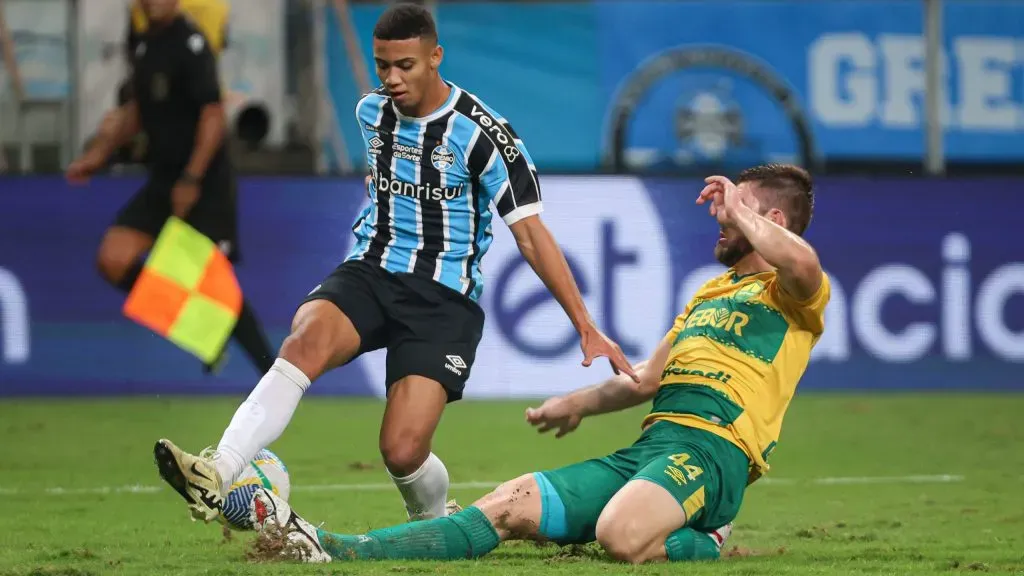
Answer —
426 490
261 419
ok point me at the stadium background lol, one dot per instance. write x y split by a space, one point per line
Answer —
930 290
902 451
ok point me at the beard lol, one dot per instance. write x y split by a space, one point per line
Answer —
732 252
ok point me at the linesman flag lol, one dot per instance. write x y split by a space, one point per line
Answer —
187 292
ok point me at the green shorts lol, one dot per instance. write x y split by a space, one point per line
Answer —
706 474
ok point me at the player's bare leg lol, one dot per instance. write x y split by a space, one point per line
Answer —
322 338
414 408
118 259
511 512
643 522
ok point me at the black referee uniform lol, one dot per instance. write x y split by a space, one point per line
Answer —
174 79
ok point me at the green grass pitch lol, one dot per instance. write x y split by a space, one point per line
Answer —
860 484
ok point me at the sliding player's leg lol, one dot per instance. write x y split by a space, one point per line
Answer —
339 320
560 505
510 512
680 505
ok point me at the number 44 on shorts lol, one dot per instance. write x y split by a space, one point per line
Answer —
688 472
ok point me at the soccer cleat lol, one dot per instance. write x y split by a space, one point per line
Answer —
720 535
195 478
274 518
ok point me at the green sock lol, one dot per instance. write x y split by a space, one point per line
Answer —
689 544
467 534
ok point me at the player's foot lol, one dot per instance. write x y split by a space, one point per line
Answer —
275 519
195 478
721 535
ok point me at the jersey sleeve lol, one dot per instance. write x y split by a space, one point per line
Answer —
203 85
810 312
677 326
680 321
131 40
212 17
501 163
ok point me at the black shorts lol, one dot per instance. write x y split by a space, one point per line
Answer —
215 214
428 329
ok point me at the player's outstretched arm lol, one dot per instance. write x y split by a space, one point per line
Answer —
564 413
799 269
538 247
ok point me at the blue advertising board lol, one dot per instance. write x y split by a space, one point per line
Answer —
928 287
671 84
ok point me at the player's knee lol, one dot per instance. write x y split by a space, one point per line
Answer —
310 346
404 451
321 338
623 539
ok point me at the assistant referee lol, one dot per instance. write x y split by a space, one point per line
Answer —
176 101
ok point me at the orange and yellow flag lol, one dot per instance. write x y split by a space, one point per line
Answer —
187 292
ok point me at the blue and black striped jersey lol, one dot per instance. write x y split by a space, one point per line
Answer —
434 182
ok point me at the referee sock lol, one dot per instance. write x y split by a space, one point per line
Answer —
250 336
466 534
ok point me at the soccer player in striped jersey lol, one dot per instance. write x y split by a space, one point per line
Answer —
442 163
721 381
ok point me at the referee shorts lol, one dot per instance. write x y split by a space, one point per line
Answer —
215 214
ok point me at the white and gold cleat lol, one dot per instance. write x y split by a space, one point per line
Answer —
195 478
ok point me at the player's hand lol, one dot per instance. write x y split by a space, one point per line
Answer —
725 199
184 196
594 343
80 170
555 413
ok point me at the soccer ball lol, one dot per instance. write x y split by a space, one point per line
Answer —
265 471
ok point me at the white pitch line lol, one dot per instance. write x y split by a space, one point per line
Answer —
475 485
941 478
383 486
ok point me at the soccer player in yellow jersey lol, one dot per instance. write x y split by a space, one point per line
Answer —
721 380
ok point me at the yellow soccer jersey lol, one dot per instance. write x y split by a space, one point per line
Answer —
211 16
738 351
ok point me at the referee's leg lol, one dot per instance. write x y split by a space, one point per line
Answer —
118 259
121 253
216 216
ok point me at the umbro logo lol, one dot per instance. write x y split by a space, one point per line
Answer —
375 144
455 364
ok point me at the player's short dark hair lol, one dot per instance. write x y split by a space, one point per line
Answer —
404 21
793 188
